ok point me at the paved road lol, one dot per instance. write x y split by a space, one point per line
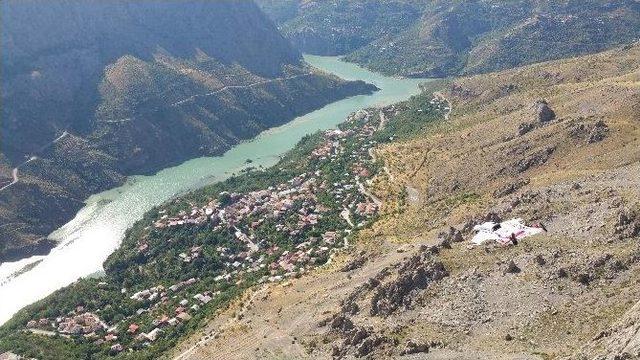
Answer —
383 121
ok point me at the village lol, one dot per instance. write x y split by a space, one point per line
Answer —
339 168
269 235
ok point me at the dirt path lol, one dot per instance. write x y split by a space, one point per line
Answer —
227 325
346 215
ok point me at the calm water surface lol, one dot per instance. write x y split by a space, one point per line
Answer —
98 229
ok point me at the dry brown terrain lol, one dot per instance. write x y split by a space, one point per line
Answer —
401 288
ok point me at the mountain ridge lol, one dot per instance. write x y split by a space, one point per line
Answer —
446 38
116 77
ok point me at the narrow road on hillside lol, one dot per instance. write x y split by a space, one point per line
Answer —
227 87
383 121
224 88
346 215
14 172
368 194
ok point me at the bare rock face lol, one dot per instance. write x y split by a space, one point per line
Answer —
416 274
627 225
543 112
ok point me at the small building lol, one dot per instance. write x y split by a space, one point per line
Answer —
133 328
184 316
153 334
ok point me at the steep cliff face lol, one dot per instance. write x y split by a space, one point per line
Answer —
98 90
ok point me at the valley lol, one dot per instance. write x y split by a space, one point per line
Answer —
442 180
559 294
442 38
267 225
145 100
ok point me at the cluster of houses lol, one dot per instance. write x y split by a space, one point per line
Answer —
292 209
77 322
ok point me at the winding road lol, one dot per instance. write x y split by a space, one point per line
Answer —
224 88
227 87
14 172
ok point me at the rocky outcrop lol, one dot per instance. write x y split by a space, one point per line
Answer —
542 111
451 235
537 158
628 224
414 275
588 130
510 188
598 132
525 128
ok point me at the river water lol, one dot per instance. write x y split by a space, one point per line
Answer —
97 230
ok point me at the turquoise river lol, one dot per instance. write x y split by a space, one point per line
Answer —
97 230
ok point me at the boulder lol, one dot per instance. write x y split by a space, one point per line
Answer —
341 323
413 347
512 268
627 225
543 111
493 217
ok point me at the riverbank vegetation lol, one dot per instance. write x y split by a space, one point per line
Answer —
193 255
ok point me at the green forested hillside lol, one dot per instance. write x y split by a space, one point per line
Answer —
98 90
441 38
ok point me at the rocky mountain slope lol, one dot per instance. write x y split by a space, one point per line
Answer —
442 38
93 91
554 143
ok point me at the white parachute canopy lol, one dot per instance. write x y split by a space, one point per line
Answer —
501 232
